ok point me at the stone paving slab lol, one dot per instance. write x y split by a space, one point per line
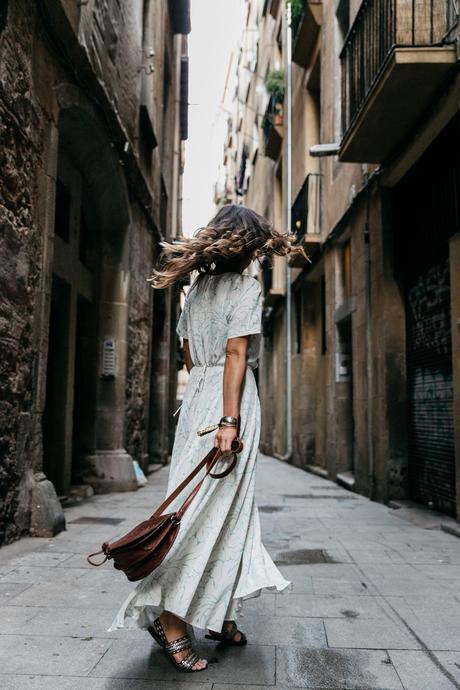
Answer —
438 633
295 632
451 662
330 606
369 634
382 614
144 660
331 668
10 590
25 682
65 622
225 686
50 560
436 605
54 656
402 585
357 585
59 594
417 671
35 574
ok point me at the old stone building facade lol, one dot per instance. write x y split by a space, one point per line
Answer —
375 338
93 113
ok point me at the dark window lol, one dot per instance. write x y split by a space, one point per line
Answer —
266 275
299 212
83 238
62 212
166 82
242 172
163 208
147 138
184 80
3 14
179 11
145 22
323 316
298 320
343 17
346 270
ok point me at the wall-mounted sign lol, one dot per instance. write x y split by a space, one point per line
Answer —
342 367
108 368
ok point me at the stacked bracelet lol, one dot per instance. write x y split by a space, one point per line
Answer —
228 421
224 421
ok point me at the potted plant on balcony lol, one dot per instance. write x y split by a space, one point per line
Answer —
274 83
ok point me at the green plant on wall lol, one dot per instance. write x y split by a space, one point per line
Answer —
297 10
274 83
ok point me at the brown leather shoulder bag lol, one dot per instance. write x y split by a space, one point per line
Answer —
142 549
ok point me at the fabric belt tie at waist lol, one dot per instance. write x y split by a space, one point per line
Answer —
204 368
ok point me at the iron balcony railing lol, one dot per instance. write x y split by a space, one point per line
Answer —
379 27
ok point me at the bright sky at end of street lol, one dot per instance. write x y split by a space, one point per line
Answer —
216 29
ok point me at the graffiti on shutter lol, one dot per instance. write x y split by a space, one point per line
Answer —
430 389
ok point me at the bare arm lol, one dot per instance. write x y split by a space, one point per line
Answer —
187 357
234 373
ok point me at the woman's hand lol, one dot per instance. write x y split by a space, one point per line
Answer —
224 438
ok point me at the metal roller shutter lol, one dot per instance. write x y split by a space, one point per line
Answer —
430 389
426 214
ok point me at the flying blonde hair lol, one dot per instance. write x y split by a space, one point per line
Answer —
235 233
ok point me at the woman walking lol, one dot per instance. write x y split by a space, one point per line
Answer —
218 558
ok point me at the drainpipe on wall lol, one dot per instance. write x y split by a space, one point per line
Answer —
369 370
176 135
287 456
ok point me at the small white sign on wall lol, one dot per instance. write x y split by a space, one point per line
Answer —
342 367
108 368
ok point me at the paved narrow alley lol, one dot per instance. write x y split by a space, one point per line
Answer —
375 602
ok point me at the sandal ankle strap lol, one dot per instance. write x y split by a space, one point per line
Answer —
178 645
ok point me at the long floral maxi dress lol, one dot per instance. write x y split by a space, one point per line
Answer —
218 558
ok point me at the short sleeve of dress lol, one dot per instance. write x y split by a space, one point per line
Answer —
246 317
181 328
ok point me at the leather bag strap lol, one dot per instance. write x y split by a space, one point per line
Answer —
210 461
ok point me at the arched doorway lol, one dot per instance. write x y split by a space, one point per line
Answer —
84 416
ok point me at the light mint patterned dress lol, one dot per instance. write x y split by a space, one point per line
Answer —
218 558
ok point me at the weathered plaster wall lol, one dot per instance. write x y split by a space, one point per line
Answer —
20 256
36 81
139 335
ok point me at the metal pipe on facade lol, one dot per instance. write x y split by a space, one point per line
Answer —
288 216
176 136
369 354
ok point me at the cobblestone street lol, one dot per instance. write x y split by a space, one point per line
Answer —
375 603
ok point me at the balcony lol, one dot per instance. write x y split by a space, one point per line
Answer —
306 219
395 61
272 126
305 29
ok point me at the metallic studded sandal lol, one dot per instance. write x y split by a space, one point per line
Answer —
185 665
227 637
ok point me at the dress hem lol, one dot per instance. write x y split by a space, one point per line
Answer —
132 623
